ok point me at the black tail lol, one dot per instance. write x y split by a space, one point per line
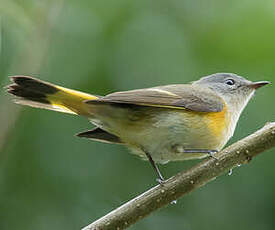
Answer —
31 89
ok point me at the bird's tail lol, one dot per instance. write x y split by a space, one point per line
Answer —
37 93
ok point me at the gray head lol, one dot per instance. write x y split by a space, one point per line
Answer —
232 88
236 91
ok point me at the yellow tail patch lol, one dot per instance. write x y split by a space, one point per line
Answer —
36 93
70 100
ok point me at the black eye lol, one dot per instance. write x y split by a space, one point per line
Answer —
230 82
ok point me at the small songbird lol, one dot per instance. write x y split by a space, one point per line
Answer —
161 124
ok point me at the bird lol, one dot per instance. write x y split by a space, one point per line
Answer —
160 124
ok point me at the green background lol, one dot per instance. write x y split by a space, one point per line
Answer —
50 179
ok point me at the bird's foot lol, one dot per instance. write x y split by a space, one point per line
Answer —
160 180
211 154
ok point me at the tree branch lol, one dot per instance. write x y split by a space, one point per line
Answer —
184 182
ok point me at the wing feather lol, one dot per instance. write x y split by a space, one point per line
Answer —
191 97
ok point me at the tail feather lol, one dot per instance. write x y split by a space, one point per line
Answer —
99 134
31 89
37 93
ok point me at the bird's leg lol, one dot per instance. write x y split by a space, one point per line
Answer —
160 178
208 151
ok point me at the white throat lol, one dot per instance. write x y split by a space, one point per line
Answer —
235 108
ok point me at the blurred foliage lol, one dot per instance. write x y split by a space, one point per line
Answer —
50 179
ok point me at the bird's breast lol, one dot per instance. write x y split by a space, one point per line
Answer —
219 126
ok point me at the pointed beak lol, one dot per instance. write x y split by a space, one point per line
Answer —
258 84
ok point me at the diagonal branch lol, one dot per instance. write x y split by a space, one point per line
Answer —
185 182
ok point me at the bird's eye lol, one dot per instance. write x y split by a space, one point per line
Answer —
230 82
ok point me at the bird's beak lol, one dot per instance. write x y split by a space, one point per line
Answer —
258 84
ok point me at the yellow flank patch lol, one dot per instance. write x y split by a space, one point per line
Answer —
217 122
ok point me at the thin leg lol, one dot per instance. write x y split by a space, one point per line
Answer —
160 178
208 151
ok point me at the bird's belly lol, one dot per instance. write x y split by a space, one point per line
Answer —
165 133
172 132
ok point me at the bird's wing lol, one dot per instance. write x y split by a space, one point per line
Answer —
180 96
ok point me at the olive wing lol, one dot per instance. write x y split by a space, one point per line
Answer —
191 97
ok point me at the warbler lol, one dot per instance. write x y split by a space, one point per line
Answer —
161 124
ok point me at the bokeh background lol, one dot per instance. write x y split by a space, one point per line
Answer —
50 179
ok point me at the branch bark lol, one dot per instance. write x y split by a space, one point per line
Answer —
185 182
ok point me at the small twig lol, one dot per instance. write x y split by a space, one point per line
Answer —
184 182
